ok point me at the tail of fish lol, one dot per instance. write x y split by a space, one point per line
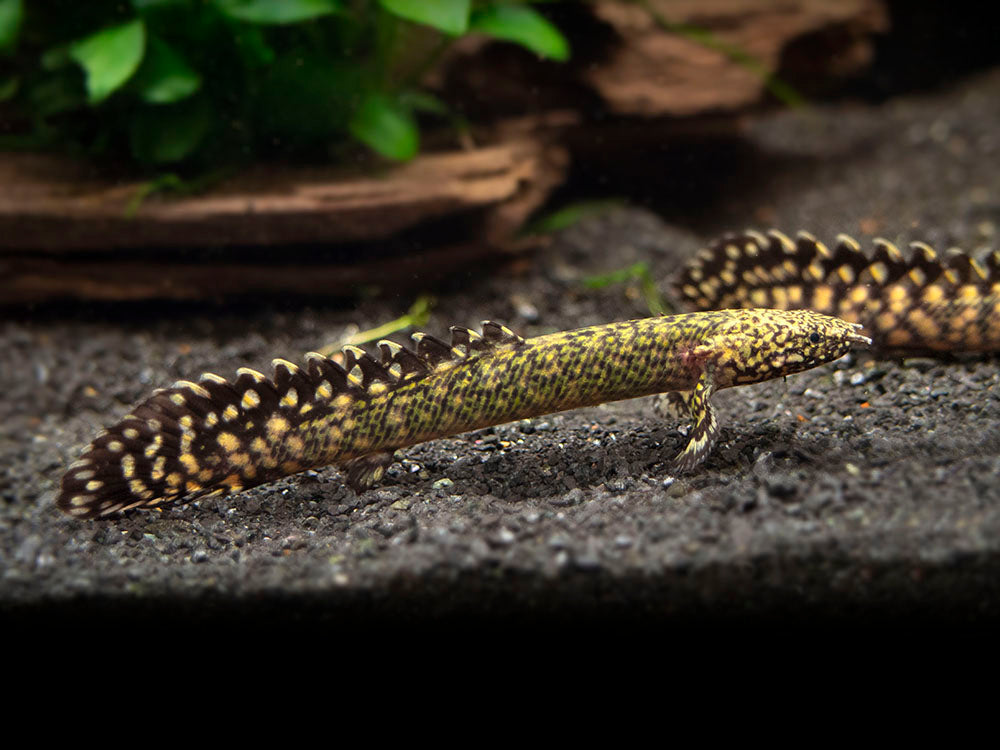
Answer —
190 440
918 302
214 437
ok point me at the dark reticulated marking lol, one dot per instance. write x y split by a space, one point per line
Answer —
353 410
920 301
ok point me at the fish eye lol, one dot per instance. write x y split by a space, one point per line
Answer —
814 337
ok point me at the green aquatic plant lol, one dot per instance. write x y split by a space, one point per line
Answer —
205 83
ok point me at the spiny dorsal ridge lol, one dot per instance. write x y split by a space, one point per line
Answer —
806 241
965 267
847 261
752 250
886 252
400 362
431 349
290 381
759 239
465 339
365 367
500 335
220 390
847 244
324 368
780 241
926 265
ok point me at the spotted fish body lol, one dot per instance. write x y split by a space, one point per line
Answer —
923 302
215 437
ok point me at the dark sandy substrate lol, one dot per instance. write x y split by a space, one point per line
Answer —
864 491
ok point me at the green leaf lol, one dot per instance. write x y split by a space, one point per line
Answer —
449 16
386 127
11 14
164 77
522 25
164 134
638 272
276 11
416 317
572 214
110 57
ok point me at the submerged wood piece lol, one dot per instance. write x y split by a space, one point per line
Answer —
65 234
653 71
26 278
60 204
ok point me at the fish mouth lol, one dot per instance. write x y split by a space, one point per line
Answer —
857 338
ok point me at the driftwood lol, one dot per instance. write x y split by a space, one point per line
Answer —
713 56
67 234
53 204
31 277
67 231
655 71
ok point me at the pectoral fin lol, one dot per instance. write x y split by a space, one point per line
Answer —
365 471
704 425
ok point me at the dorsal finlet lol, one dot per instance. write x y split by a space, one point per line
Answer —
392 347
925 250
193 387
291 367
848 243
356 351
364 367
497 333
251 373
807 239
928 253
976 266
963 264
783 240
399 361
430 349
465 341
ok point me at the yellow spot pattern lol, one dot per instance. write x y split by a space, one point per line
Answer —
228 442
